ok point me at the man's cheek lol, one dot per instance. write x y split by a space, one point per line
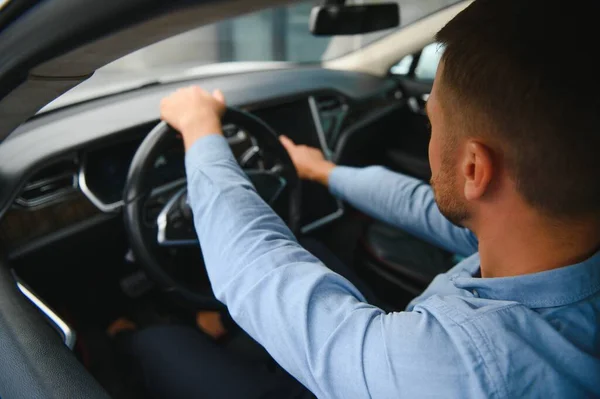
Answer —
433 156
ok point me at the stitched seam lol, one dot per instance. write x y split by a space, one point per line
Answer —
446 310
485 340
387 357
564 300
364 375
510 306
487 345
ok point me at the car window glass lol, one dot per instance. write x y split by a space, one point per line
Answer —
427 66
403 67
428 62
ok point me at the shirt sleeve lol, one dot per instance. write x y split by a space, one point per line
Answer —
402 201
312 321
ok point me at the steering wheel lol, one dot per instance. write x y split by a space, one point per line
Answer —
265 161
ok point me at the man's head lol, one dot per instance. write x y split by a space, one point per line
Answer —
514 113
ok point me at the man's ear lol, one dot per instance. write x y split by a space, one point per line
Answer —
477 170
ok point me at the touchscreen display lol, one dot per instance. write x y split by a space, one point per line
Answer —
295 120
292 119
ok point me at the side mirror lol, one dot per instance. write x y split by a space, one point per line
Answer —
336 19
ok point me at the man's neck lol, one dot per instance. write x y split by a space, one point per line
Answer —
520 244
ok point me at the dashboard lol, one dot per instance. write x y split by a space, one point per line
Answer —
104 170
72 163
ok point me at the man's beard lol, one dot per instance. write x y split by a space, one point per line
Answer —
447 196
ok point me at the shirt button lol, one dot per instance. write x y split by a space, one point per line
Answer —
475 293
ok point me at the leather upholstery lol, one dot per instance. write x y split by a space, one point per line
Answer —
34 362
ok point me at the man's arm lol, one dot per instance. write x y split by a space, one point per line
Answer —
312 321
399 200
402 201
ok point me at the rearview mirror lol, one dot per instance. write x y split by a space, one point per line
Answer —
336 19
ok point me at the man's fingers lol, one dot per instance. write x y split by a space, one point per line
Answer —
288 144
218 95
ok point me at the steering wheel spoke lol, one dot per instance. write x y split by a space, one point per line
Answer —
176 223
269 184
250 156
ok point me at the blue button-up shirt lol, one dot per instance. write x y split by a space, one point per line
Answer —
534 335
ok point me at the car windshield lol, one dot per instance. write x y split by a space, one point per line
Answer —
253 41
273 34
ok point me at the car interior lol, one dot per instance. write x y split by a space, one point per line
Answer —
95 224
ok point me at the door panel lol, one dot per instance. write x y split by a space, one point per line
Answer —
408 150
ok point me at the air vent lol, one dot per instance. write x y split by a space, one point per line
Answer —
50 185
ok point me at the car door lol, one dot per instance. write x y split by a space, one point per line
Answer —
408 148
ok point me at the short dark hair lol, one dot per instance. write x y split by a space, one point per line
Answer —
514 68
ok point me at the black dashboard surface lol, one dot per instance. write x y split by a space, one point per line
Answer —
48 136
104 168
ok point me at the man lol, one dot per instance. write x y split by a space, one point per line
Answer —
513 154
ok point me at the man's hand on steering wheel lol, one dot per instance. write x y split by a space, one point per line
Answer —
194 112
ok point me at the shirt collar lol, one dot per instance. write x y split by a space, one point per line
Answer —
557 287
